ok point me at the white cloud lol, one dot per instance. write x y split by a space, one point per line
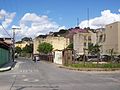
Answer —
6 19
32 24
106 18
118 10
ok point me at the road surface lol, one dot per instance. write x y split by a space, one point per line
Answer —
27 75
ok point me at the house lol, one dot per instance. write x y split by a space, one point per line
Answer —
7 40
112 40
21 44
24 41
5 53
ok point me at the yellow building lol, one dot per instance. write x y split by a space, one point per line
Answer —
58 42
112 41
21 44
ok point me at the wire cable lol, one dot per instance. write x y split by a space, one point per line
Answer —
5 30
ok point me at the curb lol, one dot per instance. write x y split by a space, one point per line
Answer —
90 69
7 68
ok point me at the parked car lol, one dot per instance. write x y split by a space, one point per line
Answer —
92 58
116 59
105 58
36 57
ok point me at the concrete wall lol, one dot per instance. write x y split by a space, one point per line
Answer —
112 32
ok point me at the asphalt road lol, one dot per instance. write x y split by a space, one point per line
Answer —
27 75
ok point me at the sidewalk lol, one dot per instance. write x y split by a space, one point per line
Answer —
7 66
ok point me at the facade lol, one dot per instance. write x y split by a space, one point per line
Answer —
58 42
112 40
22 44
80 42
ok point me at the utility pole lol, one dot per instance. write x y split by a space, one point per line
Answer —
88 16
14 28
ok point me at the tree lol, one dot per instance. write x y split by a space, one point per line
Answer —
18 50
93 49
27 39
28 48
70 46
45 48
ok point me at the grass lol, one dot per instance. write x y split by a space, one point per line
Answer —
91 65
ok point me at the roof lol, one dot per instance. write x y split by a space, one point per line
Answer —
73 31
4 45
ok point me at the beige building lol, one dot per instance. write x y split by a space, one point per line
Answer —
82 40
58 42
22 44
112 40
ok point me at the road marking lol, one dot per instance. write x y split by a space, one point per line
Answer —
25 79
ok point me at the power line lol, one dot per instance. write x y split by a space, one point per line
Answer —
5 30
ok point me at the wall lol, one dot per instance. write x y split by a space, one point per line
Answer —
58 57
4 56
112 37
78 42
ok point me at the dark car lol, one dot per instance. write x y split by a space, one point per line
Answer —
92 58
105 58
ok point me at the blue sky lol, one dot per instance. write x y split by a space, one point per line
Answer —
63 12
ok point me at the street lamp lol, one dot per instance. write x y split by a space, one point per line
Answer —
14 28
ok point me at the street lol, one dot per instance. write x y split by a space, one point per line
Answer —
28 75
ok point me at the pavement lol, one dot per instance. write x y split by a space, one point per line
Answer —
30 75
7 66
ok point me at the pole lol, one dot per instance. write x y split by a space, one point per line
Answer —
14 41
13 44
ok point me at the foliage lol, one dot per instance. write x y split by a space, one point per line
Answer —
91 65
27 39
45 48
93 49
18 50
28 48
70 46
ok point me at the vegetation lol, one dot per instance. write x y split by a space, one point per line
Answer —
18 50
28 48
93 49
45 48
91 65
70 46
26 39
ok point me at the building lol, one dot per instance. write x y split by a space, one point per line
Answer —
112 40
5 53
7 40
21 44
80 41
58 42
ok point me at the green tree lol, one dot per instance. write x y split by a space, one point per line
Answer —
18 50
70 46
28 48
45 48
93 49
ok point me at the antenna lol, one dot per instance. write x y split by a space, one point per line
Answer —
88 16
77 22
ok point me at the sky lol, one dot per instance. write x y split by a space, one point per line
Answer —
36 17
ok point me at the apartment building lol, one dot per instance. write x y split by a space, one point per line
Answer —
81 40
112 40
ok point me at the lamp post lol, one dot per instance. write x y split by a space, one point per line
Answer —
14 28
